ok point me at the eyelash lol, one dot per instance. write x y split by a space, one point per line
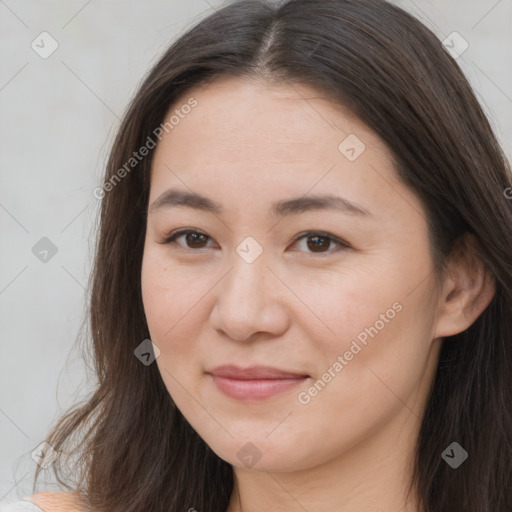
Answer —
171 239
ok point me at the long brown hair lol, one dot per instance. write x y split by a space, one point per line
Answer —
136 452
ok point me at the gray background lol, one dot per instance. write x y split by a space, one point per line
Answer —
58 118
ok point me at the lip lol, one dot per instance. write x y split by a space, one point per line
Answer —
255 382
230 371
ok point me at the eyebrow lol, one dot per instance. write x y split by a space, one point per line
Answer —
295 206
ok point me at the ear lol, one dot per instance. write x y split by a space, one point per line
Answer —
467 289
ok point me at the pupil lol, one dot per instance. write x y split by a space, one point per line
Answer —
191 236
315 246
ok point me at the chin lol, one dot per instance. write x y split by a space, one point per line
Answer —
264 455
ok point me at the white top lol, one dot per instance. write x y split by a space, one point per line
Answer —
19 506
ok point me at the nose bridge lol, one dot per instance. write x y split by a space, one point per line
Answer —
247 278
246 302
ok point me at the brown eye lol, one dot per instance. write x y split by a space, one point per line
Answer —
319 243
193 239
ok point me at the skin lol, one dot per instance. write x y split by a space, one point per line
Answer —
246 144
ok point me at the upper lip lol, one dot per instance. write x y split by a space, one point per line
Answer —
254 372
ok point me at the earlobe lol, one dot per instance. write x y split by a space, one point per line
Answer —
467 290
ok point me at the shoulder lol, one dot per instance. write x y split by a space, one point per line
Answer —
48 501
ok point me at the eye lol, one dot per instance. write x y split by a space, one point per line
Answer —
195 238
316 241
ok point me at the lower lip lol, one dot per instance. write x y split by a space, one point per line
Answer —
254 389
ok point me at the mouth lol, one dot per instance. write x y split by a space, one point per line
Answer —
254 383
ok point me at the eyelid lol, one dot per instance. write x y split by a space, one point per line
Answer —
323 234
342 245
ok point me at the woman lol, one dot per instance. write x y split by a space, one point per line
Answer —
302 288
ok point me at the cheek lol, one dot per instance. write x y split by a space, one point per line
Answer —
360 385
171 302
373 335
340 304
373 370
172 307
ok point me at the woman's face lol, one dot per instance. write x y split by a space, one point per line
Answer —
338 292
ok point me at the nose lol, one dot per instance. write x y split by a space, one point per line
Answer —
250 300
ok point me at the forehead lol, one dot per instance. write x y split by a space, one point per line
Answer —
240 112
248 138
